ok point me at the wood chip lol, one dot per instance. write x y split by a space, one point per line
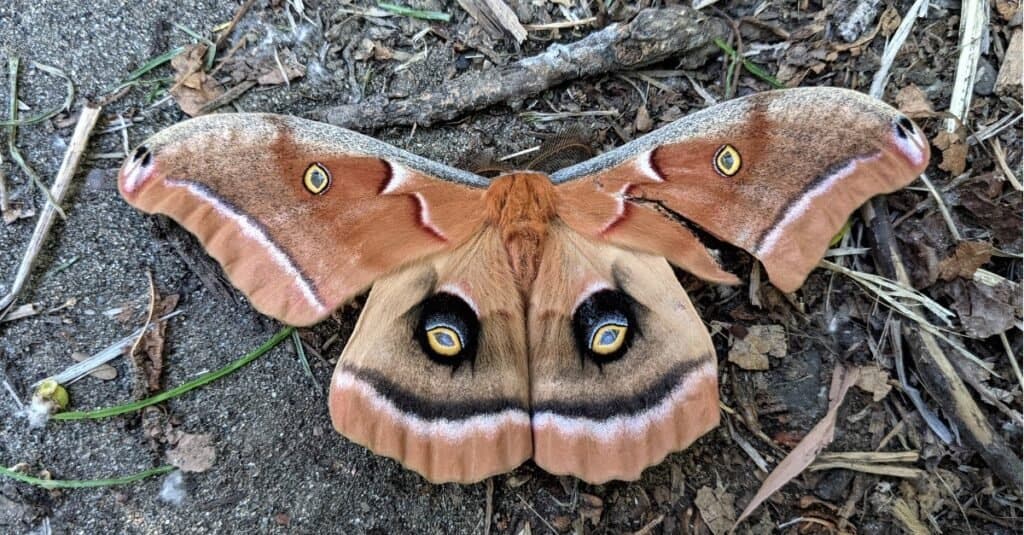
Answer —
495 17
1008 81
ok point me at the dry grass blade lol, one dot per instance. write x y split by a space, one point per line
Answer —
891 470
893 47
813 442
893 294
12 138
870 456
973 24
86 122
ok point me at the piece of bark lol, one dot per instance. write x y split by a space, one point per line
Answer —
1008 81
653 35
941 377
495 17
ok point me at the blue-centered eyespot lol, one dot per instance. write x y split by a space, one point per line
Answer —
604 325
727 160
444 341
608 339
447 330
316 179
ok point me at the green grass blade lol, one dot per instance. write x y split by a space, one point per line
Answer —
83 483
153 63
750 66
174 392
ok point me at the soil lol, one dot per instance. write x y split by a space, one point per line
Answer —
279 465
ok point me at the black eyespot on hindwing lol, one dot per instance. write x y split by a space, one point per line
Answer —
604 325
448 329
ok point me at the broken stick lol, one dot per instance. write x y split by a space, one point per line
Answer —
86 122
653 35
939 373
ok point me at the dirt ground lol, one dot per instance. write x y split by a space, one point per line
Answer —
280 467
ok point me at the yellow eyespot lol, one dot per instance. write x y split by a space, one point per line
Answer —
444 341
316 179
727 160
608 339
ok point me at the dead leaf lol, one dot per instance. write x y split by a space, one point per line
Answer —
591 508
717 508
193 453
282 68
889 21
643 122
807 450
984 310
150 362
1007 9
12 214
914 103
965 260
751 352
874 380
193 87
954 152
105 372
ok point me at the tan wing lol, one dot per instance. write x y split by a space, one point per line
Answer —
451 416
301 215
603 411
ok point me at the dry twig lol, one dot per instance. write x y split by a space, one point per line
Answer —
86 122
653 35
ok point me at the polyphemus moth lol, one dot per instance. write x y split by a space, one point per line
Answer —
526 316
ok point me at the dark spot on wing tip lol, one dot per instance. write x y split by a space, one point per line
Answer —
904 127
652 160
142 153
389 173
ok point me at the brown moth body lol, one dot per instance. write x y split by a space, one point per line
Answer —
531 316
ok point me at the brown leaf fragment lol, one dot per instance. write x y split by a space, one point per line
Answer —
914 103
954 152
874 380
280 68
193 453
751 352
152 345
965 260
643 122
193 87
717 508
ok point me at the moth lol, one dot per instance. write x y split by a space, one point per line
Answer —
526 316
